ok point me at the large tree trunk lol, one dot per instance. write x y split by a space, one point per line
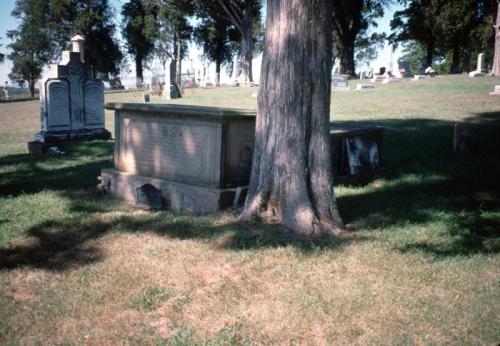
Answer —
217 71
246 50
32 83
347 65
138 71
292 179
429 57
496 58
178 72
455 60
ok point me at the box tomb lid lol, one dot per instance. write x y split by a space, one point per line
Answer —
174 110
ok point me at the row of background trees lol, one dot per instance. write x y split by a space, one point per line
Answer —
444 33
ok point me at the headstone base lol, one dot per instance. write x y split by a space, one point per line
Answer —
364 86
173 93
475 74
174 195
341 89
377 78
53 137
392 80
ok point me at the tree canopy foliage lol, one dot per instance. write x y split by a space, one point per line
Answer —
453 31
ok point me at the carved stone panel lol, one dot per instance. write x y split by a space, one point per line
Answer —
93 95
173 149
57 105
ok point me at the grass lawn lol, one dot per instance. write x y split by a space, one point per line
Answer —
420 267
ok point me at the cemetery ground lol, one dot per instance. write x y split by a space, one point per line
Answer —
420 265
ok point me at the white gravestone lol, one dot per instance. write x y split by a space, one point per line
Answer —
497 91
235 76
479 70
71 100
390 66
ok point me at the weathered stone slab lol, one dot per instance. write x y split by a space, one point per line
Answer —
57 104
340 81
364 86
174 195
418 77
93 91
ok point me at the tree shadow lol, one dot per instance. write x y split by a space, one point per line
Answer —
78 168
426 182
66 244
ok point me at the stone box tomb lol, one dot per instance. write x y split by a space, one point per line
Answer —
197 156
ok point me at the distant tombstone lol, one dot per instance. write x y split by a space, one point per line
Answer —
480 67
497 91
71 101
405 65
390 66
364 86
381 71
340 82
235 76
146 98
418 77
170 90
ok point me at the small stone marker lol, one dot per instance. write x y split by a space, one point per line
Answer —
405 65
340 82
364 86
479 70
146 98
497 91
418 77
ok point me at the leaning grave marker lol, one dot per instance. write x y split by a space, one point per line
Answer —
71 101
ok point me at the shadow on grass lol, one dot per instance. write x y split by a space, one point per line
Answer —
425 183
78 168
60 245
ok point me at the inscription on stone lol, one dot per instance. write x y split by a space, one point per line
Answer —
72 101
58 105
94 100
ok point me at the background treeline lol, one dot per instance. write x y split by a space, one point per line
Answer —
447 34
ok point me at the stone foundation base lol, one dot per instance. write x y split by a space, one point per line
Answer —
475 74
341 89
178 196
364 86
58 137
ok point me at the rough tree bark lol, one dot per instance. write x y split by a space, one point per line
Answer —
292 179
138 71
347 64
496 59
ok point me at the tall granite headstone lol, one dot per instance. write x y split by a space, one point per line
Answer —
71 101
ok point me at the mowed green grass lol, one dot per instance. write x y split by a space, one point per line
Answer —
421 265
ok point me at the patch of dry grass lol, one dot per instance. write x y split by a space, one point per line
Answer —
422 266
